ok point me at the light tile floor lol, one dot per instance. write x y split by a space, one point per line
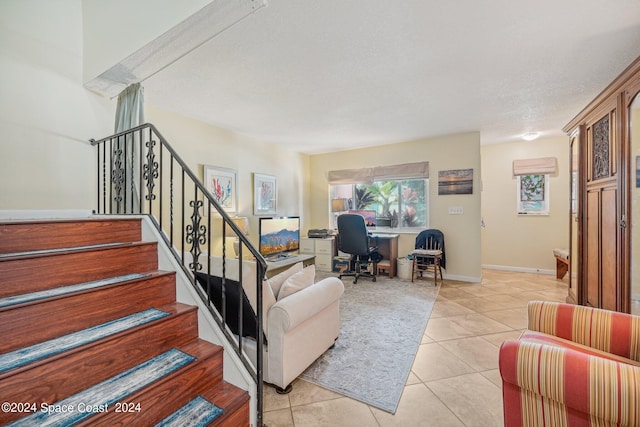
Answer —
454 380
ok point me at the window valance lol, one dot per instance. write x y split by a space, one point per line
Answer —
379 173
351 176
541 166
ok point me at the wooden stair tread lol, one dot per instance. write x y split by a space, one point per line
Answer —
62 316
230 400
28 274
68 291
233 400
136 384
164 397
10 256
198 410
78 339
61 375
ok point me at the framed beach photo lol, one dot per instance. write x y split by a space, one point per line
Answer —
221 182
265 192
455 181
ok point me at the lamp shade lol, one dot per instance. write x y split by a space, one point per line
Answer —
338 205
242 222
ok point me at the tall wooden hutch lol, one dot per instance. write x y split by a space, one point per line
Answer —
605 166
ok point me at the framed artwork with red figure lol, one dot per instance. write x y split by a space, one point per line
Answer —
221 183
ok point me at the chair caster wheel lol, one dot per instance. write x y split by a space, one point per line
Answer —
285 390
355 281
374 279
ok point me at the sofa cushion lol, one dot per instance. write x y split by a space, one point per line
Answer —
298 281
276 281
542 338
233 294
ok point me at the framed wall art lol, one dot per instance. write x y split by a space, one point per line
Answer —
221 182
455 181
265 191
533 194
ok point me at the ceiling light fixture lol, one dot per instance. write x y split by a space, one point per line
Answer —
530 136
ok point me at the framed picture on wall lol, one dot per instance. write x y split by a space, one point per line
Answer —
533 194
221 183
455 181
265 192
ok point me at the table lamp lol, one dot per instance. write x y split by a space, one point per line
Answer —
338 205
242 222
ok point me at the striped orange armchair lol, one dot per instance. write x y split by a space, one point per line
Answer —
574 366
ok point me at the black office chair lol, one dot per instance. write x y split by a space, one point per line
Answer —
353 238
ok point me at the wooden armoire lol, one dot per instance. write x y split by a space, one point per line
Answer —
605 171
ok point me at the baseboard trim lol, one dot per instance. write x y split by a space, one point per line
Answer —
519 269
463 278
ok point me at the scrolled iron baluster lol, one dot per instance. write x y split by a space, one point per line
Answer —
196 235
118 178
150 170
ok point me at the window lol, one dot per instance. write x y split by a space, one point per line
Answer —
402 201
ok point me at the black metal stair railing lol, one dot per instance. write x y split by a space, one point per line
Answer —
139 173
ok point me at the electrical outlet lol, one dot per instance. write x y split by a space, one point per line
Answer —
456 210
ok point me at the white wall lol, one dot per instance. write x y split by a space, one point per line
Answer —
524 243
201 144
46 117
462 232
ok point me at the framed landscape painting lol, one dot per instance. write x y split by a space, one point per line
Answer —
221 182
265 192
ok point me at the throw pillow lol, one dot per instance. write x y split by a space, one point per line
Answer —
298 282
233 294
277 280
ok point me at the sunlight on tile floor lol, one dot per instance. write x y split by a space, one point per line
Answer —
454 380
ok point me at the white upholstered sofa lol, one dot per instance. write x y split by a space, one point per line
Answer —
301 319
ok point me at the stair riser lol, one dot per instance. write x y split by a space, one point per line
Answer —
21 276
164 397
64 376
26 325
32 236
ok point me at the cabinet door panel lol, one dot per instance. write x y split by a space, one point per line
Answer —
609 238
593 249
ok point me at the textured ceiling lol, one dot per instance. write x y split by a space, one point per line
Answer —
327 75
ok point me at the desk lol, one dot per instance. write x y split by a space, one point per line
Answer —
388 247
275 267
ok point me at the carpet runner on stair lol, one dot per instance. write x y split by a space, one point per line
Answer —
197 413
63 290
102 396
26 355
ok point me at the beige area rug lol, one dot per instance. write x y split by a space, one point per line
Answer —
382 324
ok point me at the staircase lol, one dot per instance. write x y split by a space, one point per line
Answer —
92 333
